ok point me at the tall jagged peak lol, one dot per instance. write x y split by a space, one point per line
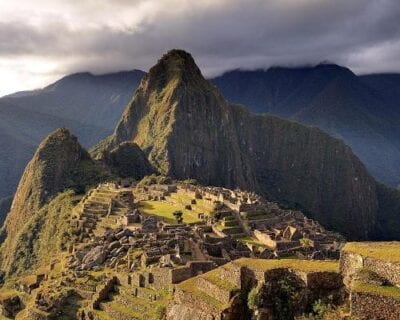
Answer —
60 141
188 130
177 66
59 163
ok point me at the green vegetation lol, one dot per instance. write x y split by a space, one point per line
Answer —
165 211
43 235
190 286
388 291
296 264
253 298
285 297
214 277
251 240
389 251
154 179
127 160
178 216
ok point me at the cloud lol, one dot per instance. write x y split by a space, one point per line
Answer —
103 36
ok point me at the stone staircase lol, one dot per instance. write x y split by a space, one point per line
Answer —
230 225
98 204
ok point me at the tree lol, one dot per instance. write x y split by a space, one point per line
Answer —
305 242
178 216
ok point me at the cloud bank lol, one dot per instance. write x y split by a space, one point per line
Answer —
42 40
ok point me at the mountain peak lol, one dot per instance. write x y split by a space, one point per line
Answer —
49 172
176 65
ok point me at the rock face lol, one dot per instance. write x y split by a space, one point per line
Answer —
361 110
188 130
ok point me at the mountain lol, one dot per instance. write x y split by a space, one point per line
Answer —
188 130
362 110
127 160
59 164
89 105
5 206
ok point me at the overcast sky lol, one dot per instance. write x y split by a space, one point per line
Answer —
42 40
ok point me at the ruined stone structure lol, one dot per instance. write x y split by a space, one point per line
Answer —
222 293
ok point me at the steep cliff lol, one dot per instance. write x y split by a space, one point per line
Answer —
60 163
188 130
361 110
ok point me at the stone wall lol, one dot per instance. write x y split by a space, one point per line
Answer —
366 306
351 262
103 291
265 239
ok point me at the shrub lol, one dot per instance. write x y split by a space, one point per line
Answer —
253 298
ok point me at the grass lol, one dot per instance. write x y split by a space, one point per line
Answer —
201 205
388 291
296 264
251 240
6 293
124 305
190 286
164 210
44 235
214 278
389 251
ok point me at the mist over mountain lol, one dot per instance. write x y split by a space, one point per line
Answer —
362 110
87 104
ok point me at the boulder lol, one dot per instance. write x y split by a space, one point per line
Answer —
94 257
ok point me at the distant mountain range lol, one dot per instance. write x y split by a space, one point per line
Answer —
364 111
88 105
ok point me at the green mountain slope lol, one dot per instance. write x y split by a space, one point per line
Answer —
361 110
188 130
59 164
89 105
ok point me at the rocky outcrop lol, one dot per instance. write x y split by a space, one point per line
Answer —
127 160
60 163
188 130
10 305
49 172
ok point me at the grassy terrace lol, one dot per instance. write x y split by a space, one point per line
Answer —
296 264
389 251
177 201
251 240
214 278
164 210
388 291
190 286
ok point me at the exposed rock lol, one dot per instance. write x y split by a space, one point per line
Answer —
10 306
94 257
